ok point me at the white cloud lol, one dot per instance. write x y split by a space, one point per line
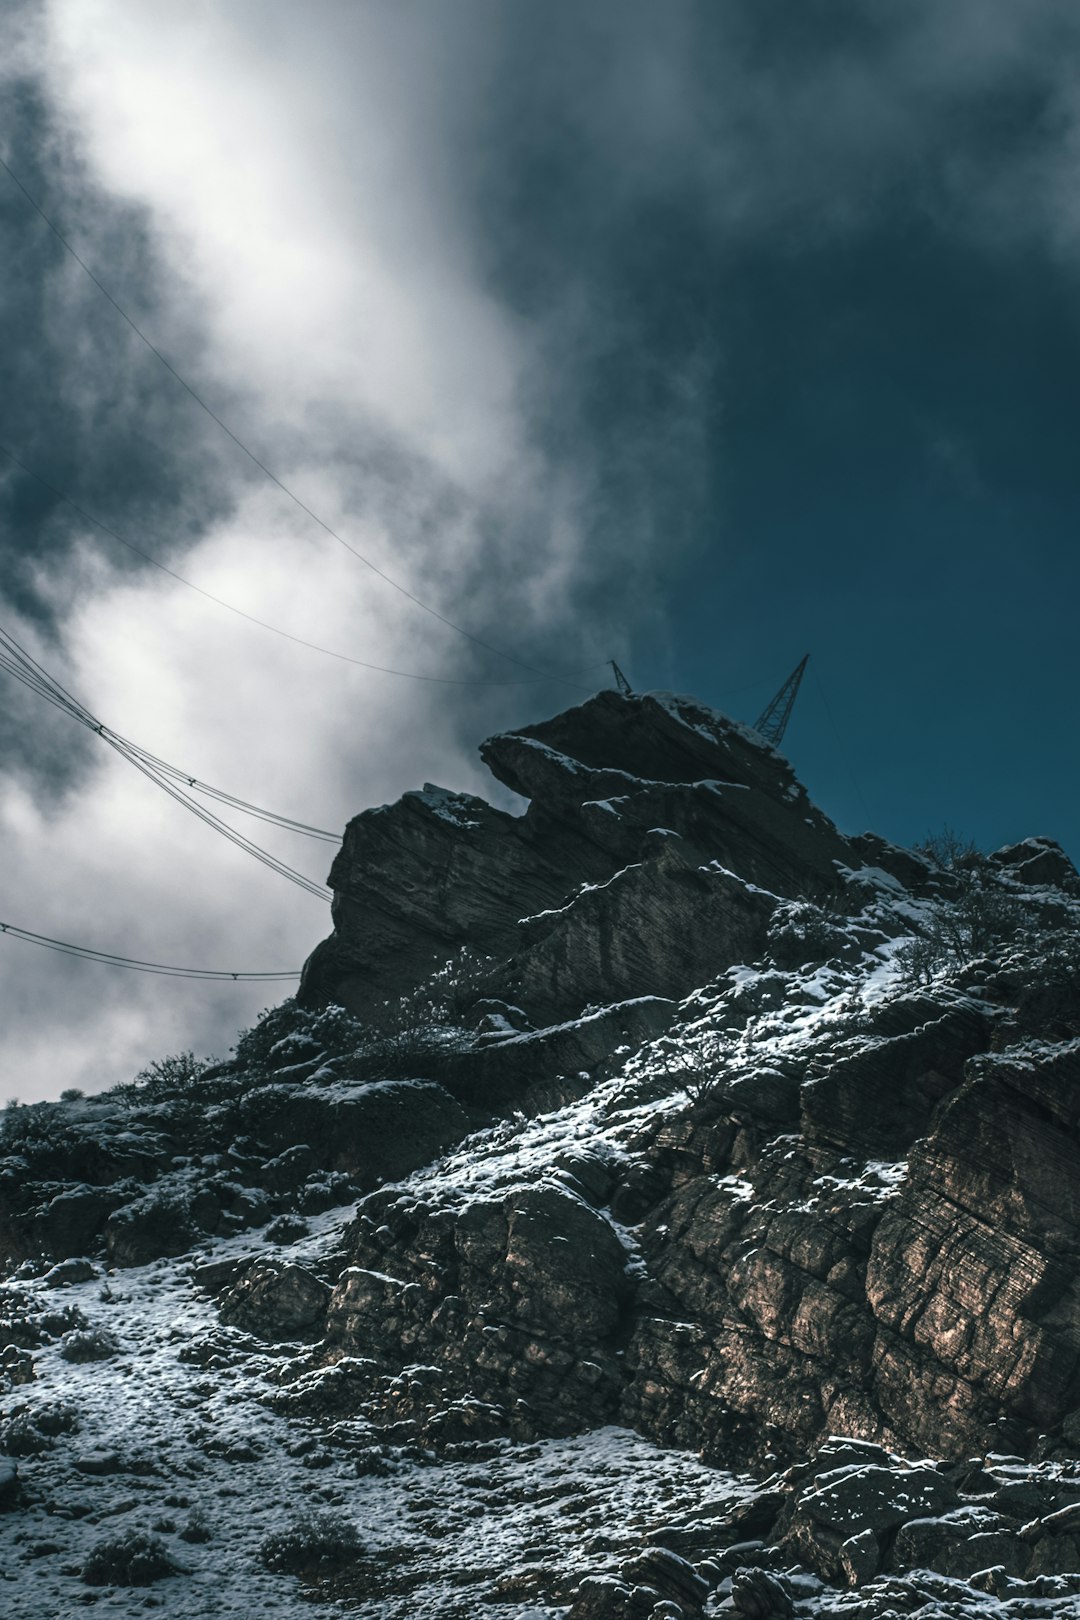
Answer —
280 163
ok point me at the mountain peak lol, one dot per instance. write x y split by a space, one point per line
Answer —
645 813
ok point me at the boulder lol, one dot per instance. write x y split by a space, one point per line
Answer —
68 1272
960 1545
602 1597
670 1577
275 1300
369 1131
842 1519
74 1219
759 1595
1038 861
155 1225
557 1263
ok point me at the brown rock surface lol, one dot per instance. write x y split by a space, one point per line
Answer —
972 1275
786 1285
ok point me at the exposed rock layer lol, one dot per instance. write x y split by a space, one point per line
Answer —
653 827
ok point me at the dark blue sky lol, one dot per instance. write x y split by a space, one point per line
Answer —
898 491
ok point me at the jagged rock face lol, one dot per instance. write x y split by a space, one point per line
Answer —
657 836
944 1314
514 1274
972 1277
788 1282
1038 861
276 1301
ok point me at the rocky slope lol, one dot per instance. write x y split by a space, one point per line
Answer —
657 1204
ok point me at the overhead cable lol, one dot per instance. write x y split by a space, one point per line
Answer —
287 635
19 663
108 959
375 569
260 814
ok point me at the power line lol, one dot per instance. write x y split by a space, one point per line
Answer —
108 959
387 578
260 814
19 663
287 635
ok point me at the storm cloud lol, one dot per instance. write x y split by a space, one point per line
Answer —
516 298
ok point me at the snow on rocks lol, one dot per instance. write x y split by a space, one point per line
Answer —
177 1485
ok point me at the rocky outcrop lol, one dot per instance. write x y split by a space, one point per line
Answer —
244 1148
657 836
275 1300
972 1277
747 1272
519 1298
1039 861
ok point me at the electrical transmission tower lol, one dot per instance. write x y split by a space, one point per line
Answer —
622 685
772 723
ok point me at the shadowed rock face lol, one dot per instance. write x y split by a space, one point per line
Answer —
657 838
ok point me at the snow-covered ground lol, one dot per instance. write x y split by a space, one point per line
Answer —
159 1441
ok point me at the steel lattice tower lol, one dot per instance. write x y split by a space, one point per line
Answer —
772 722
622 685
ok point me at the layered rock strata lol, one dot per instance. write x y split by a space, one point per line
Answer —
656 838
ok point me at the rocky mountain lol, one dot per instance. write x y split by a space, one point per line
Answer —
654 1203
656 840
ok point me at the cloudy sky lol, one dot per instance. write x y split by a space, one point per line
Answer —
697 335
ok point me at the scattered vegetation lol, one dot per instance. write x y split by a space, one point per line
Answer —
950 851
20 1436
314 1544
192 1098
196 1530
697 1071
425 1051
163 1079
89 1344
1048 1005
415 1040
286 1228
285 1036
130 1558
802 931
39 1132
980 913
